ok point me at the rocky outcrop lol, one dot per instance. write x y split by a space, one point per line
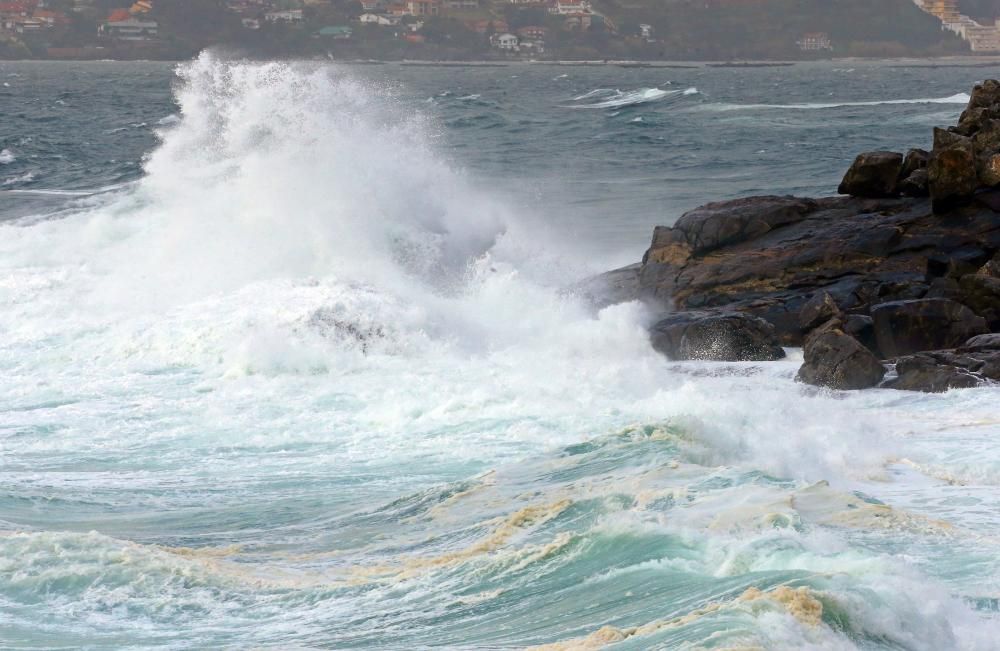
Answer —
836 360
729 337
904 327
906 264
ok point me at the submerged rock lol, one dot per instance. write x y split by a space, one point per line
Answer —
731 337
836 360
905 327
874 174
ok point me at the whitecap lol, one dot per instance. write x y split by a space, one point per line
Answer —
619 99
7 157
23 178
957 99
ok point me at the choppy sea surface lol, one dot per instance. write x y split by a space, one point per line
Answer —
286 363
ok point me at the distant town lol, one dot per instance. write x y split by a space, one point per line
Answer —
499 29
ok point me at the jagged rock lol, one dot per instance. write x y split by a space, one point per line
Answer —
818 310
905 327
951 172
873 174
860 251
719 224
985 95
982 295
727 337
837 360
916 184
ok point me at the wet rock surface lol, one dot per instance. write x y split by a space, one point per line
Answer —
836 360
728 337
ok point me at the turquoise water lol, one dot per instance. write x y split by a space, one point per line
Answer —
293 368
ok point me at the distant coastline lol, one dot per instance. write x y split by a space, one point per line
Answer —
967 61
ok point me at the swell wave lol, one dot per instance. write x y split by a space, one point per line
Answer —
960 98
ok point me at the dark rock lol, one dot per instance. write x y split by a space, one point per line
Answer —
989 341
719 224
988 169
951 172
818 310
862 328
915 184
726 337
957 263
905 327
915 160
985 95
982 294
873 174
933 373
610 288
837 360
944 288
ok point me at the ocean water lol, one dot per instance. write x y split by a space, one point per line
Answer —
288 363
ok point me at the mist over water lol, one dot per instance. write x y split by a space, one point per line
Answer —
310 378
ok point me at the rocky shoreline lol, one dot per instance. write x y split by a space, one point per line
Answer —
896 284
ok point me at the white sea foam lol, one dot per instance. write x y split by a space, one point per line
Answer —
7 157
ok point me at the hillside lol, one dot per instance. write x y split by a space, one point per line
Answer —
762 29
470 29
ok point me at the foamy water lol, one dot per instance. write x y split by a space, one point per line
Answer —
308 385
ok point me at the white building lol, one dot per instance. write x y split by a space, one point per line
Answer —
814 42
287 16
378 19
130 30
505 42
564 7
